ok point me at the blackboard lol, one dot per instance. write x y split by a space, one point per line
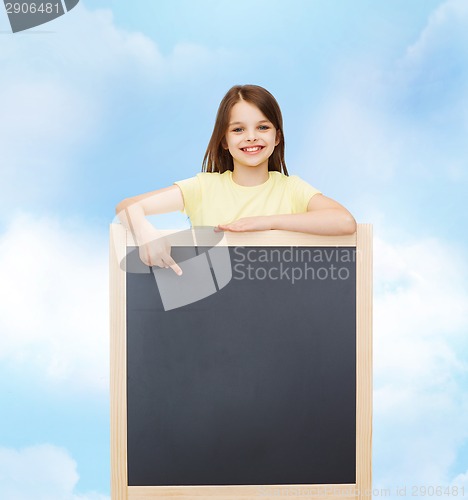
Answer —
255 384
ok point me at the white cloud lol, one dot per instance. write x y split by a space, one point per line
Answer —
461 480
54 301
397 129
42 472
420 361
353 136
421 299
88 51
445 29
42 121
59 92
431 80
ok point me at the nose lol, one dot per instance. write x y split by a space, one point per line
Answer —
251 135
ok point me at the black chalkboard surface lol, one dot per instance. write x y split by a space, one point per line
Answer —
252 385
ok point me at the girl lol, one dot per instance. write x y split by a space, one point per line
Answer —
244 184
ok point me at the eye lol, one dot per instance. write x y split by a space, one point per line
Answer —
265 127
237 129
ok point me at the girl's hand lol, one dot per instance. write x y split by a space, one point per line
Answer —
158 253
258 223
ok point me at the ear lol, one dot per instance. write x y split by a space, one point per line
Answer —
224 144
278 137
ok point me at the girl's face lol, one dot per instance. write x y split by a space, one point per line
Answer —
250 137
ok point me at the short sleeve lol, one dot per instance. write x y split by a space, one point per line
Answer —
191 192
301 192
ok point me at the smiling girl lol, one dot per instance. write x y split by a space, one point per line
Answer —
244 184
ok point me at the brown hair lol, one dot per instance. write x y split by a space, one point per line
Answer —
218 159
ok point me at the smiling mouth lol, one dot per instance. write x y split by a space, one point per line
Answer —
253 149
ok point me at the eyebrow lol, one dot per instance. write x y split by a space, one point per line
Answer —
240 123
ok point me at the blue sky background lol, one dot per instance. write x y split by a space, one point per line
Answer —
118 98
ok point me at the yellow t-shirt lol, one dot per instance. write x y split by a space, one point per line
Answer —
211 198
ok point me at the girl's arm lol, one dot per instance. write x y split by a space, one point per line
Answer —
161 201
132 213
324 216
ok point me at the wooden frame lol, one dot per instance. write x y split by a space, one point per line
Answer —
362 240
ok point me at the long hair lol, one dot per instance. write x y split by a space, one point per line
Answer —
218 159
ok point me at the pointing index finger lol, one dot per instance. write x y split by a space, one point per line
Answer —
176 269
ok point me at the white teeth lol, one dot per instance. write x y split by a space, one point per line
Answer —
257 148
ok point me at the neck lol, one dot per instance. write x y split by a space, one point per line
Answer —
250 176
